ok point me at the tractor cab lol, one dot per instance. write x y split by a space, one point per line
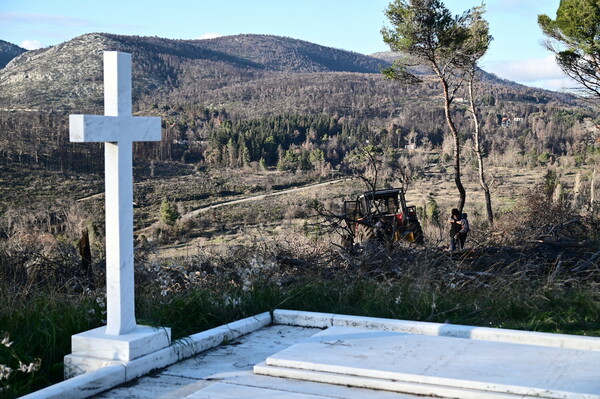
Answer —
382 213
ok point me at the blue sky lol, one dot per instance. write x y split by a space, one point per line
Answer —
516 52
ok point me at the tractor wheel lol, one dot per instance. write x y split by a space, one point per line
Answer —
418 233
347 240
364 234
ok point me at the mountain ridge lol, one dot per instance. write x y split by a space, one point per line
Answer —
68 76
71 70
9 51
254 46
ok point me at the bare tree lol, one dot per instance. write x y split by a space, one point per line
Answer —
479 41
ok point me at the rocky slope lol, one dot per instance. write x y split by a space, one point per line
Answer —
8 51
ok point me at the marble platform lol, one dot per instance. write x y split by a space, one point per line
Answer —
438 365
294 354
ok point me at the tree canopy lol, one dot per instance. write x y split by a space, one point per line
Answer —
426 32
574 36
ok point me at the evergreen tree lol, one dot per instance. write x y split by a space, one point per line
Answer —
426 31
574 36
168 213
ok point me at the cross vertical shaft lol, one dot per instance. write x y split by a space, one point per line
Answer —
117 129
117 84
118 175
120 303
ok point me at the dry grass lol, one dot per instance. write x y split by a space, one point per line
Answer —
538 269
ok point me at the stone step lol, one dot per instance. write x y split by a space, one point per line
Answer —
378 385
444 366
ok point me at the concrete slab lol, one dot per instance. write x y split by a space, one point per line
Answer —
301 390
222 363
501 367
241 354
377 387
324 320
223 390
84 385
205 374
228 357
313 388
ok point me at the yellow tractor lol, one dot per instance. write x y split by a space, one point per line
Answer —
382 215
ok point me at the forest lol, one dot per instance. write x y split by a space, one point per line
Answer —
275 102
516 133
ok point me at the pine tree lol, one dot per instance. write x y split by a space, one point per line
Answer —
168 213
426 31
573 37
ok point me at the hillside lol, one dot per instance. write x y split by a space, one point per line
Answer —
253 74
250 99
290 55
68 76
8 51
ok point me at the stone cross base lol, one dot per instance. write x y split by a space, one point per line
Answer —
94 349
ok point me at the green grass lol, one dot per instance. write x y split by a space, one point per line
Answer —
41 326
573 311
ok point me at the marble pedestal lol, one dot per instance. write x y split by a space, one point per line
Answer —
94 349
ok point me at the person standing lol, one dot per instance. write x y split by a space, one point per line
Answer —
462 234
455 228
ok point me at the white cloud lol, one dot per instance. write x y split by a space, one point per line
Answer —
528 69
538 72
209 36
565 84
31 44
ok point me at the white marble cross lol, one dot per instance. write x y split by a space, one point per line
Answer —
118 129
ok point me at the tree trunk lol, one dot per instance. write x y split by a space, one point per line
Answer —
592 192
476 139
85 252
461 189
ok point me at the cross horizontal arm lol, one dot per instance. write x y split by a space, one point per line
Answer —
113 129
